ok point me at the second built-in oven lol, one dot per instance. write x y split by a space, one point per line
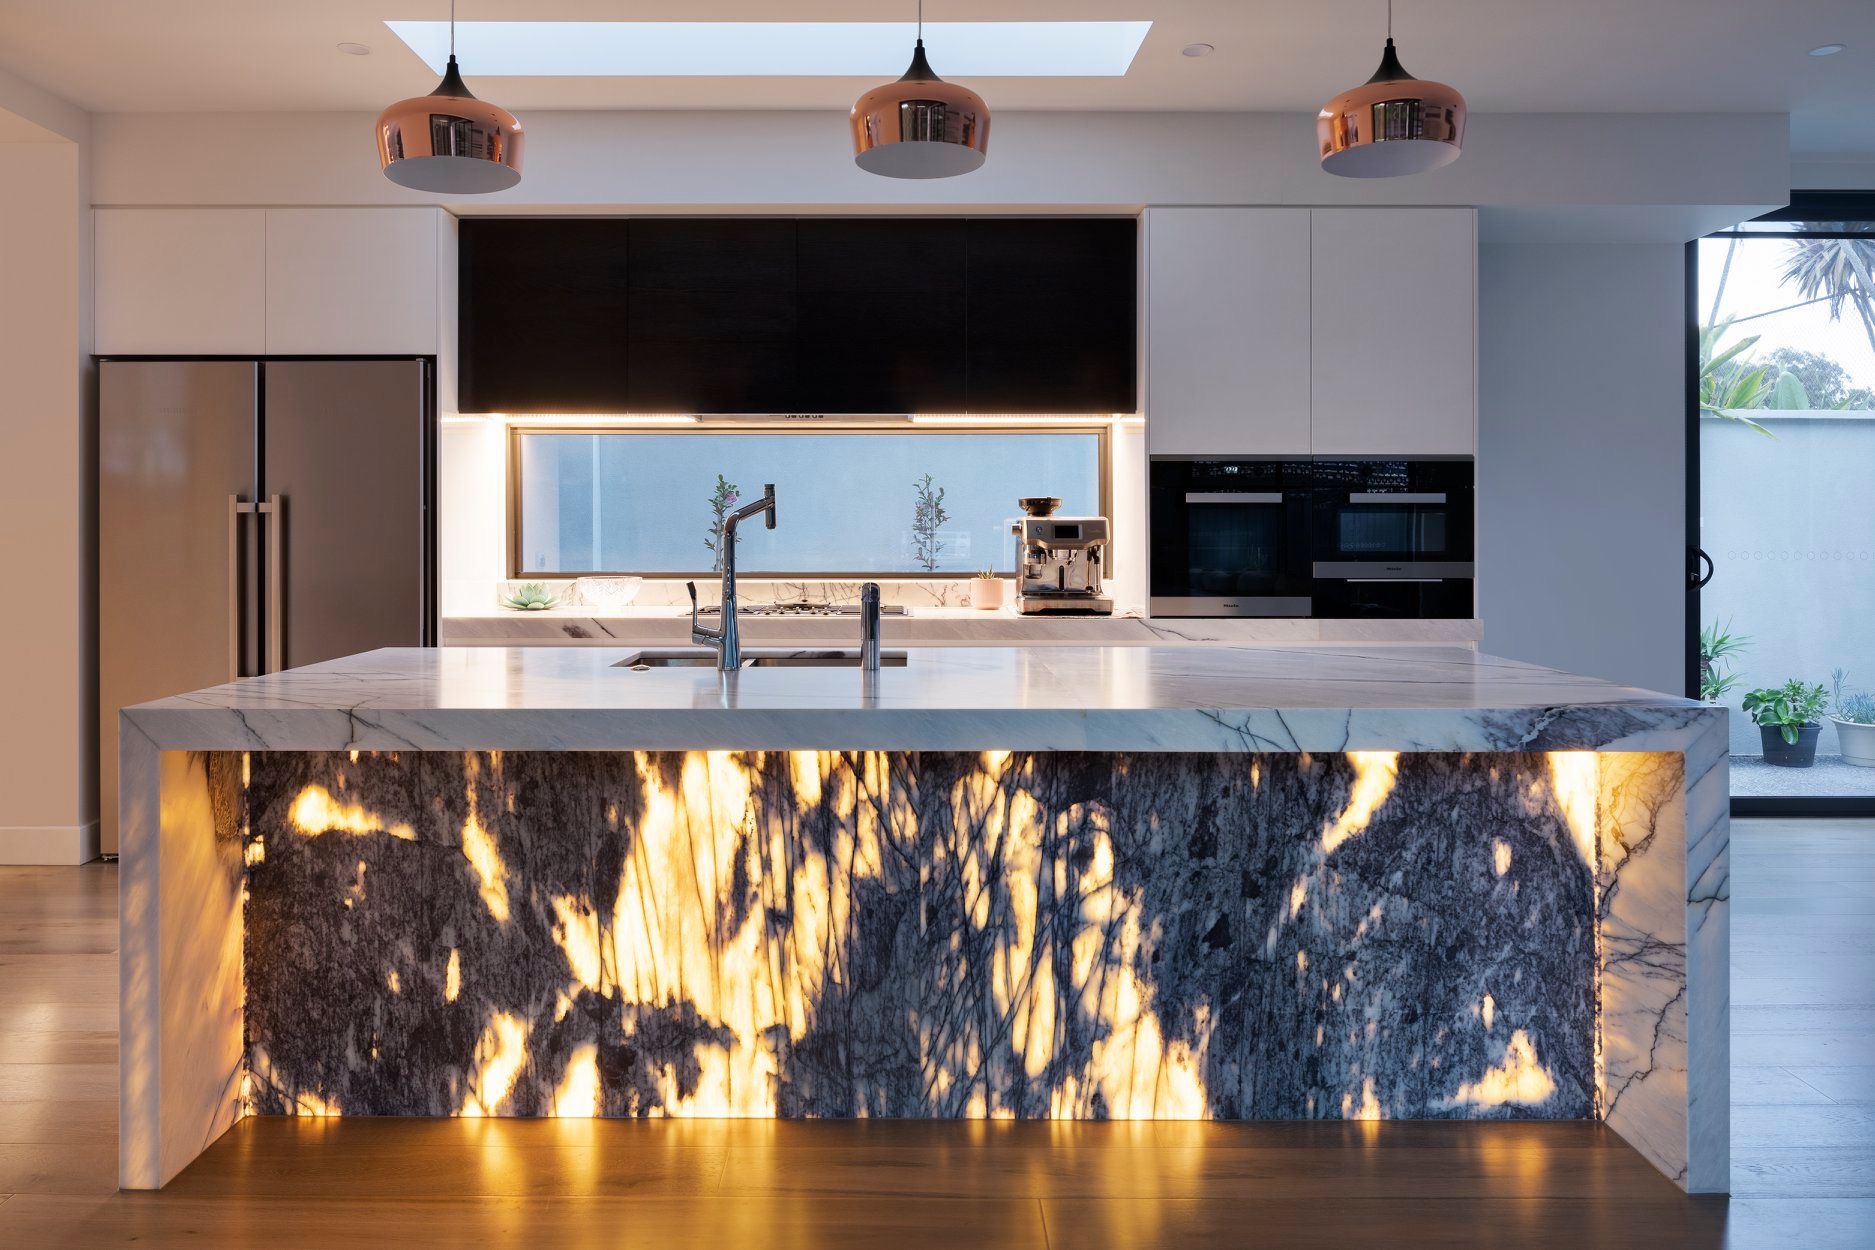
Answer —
1229 537
1393 538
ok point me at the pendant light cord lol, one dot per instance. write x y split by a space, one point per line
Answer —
452 25
920 18
452 7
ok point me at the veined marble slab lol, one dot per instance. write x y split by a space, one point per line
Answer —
918 935
1650 804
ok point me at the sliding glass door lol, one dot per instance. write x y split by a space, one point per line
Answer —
1784 446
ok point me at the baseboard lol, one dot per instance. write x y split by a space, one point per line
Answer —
51 844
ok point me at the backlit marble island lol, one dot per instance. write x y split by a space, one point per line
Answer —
1088 882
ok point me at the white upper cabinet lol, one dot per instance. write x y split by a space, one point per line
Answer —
352 281
180 281
1227 331
276 281
1393 316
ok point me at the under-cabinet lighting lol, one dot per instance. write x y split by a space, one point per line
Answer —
775 49
595 418
1015 418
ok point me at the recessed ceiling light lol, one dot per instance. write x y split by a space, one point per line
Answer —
1828 49
1198 49
355 49
775 49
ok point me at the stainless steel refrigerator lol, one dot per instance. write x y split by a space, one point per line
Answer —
255 516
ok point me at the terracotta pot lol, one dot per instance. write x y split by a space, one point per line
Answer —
986 593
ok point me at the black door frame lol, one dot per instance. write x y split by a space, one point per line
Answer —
1803 206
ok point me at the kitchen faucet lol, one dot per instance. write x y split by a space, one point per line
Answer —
726 637
869 627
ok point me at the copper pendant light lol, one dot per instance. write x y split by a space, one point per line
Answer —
1392 124
448 141
920 126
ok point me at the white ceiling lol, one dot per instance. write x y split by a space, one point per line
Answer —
1505 55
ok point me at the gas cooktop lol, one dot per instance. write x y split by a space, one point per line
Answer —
800 607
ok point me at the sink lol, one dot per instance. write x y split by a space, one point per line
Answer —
647 660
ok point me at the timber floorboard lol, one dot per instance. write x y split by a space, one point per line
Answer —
1803 1149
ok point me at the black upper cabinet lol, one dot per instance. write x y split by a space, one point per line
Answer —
833 315
713 315
542 315
882 315
1052 315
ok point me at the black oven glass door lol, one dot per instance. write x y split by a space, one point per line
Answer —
1229 538
1390 512
1393 539
1392 598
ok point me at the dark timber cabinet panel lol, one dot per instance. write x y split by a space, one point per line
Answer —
542 315
713 316
1052 315
828 315
882 315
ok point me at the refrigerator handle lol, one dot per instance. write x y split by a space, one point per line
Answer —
236 507
275 512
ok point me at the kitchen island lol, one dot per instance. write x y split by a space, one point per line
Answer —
1092 882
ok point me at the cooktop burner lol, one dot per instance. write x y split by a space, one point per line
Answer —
800 607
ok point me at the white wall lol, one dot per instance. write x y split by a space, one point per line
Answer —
48 736
727 160
1582 458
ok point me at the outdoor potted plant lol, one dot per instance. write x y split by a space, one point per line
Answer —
1787 720
1854 719
986 590
1717 644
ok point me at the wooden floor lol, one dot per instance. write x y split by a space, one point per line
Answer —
1803 1120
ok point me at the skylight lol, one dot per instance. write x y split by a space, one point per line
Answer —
776 49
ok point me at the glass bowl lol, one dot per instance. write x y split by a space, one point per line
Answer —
606 592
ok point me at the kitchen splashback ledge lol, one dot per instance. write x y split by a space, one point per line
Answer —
669 626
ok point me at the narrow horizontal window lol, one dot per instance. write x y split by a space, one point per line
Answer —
930 503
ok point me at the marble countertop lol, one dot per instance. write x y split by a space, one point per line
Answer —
659 625
1219 698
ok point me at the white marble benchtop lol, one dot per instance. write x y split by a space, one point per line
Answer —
933 626
1253 698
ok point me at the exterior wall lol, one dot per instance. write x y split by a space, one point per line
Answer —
1790 526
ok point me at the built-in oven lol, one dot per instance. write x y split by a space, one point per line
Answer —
1393 538
1229 537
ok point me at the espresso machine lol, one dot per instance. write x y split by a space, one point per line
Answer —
1059 562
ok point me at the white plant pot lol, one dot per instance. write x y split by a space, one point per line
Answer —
986 593
1858 742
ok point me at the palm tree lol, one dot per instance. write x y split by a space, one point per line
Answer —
1837 269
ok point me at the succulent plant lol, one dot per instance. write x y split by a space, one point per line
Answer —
1788 708
530 597
1857 709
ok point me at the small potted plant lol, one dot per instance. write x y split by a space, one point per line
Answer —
1854 719
1786 717
986 590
